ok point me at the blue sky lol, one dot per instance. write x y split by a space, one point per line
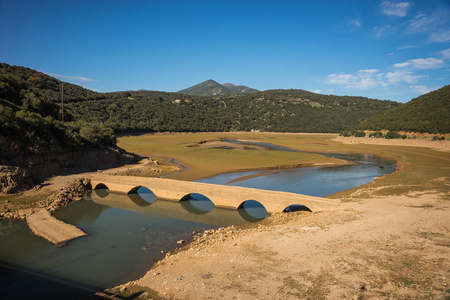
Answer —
394 50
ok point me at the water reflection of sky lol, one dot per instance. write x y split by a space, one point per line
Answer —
313 181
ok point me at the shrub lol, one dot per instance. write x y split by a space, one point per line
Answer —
377 134
360 134
393 135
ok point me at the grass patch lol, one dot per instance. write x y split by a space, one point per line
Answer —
205 162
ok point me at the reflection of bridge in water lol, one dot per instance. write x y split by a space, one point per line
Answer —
221 195
170 209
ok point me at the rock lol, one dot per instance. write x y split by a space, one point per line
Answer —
181 242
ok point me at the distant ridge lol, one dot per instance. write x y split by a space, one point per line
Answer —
213 88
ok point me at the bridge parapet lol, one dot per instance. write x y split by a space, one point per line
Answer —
221 195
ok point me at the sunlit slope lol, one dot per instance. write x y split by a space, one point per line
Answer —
427 113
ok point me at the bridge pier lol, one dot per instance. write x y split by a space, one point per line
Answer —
221 195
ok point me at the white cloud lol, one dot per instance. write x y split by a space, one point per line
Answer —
399 76
316 91
402 65
420 89
422 63
427 63
420 23
399 9
77 78
339 79
445 54
441 36
363 79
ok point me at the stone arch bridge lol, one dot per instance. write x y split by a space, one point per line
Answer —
224 196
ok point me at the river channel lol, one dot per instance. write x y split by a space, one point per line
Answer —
126 236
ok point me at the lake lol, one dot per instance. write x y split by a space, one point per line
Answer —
127 234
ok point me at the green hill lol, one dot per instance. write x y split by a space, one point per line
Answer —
427 113
33 98
30 111
274 110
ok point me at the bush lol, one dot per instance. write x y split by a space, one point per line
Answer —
345 133
360 134
377 134
438 138
393 135
98 134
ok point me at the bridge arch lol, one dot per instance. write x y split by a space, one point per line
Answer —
296 207
252 211
197 203
142 196
101 190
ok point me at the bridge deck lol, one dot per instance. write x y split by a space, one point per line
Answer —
221 195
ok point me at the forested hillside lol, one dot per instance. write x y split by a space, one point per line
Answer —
427 113
274 110
30 110
33 98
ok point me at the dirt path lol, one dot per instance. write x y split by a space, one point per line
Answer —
392 247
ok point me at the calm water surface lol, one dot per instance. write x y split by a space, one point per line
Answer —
313 181
124 240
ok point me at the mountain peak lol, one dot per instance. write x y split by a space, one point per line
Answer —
213 88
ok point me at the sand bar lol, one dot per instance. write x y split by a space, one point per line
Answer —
52 229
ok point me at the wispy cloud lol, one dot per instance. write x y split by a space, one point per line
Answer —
403 76
406 47
422 63
316 91
445 54
76 78
380 31
356 23
363 79
441 36
420 23
399 9
420 89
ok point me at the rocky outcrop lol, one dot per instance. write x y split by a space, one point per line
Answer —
20 172
74 191
13 179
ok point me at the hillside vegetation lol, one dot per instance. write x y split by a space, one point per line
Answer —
427 113
30 104
30 112
274 110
